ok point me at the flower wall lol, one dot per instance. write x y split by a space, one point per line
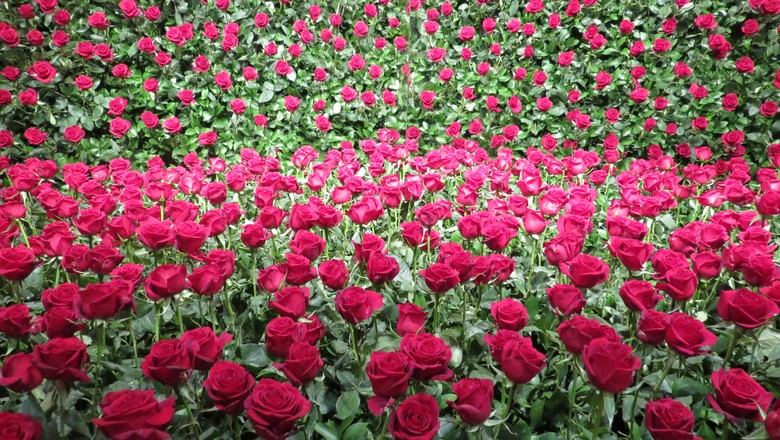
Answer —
403 219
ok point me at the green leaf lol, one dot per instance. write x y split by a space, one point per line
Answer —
254 355
609 407
358 431
328 432
265 96
347 405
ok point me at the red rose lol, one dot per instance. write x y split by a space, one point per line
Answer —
18 374
687 335
43 71
475 400
165 281
118 126
416 418
652 327
61 322
389 373
16 263
585 270
62 359
15 320
189 236
430 354
520 361
228 385
579 331
274 408
632 253
772 422
207 347
207 279
680 283
270 278
668 419
333 273
440 277
104 300
565 299
307 244
509 314
427 98
291 301
411 319
156 235
738 396
381 268
135 414
746 308
19 426
707 265
303 363
169 362
610 365
280 334
356 304
639 295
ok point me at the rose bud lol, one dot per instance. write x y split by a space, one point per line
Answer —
668 419
307 244
610 365
738 396
639 295
497 342
303 363
381 268
165 281
520 361
207 346
254 235
16 263
169 362
632 253
707 265
61 322
652 327
389 373
104 300
687 335
411 319
585 270
19 374
228 385
274 408
509 314
299 270
131 413
417 417
291 301
333 273
62 359
189 236
15 321
20 426
356 304
280 334
270 279
440 278
430 354
565 299
772 422
680 284
475 399
746 308
579 331
206 280
156 235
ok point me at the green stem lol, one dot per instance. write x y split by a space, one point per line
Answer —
193 420
355 345
436 300
670 355
596 412
130 329
733 343
463 321
157 319
176 302
213 312
101 330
